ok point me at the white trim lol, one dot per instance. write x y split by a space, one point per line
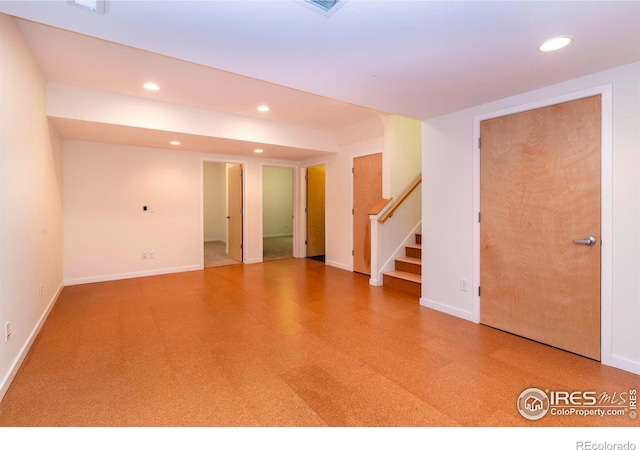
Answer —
338 265
244 202
216 240
457 312
625 364
124 276
606 271
22 354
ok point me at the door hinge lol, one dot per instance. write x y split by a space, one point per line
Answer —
353 170
306 177
306 242
241 210
479 143
306 210
478 216
352 211
478 291
352 253
241 247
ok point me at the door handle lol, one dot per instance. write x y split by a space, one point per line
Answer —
588 241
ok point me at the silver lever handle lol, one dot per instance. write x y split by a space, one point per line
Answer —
588 241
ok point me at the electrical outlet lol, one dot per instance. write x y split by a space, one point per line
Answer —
150 255
7 331
464 284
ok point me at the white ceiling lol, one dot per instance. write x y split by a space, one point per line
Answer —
414 58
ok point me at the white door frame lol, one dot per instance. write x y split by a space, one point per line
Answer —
244 202
606 183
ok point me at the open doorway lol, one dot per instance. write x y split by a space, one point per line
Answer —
277 212
315 209
222 213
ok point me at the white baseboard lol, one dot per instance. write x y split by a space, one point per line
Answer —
625 364
22 354
124 276
457 312
339 265
253 260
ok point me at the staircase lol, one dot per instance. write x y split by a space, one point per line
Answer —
407 275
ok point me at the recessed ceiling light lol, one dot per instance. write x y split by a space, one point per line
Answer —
174 143
263 108
258 150
151 87
555 43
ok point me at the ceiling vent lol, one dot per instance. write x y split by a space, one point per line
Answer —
324 7
96 6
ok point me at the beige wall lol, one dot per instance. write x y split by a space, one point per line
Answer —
30 201
402 155
277 201
448 215
214 182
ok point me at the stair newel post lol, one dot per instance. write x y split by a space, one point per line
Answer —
376 212
376 275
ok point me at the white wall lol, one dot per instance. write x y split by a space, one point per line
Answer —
30 202
363 138
277 201
448 216
215 201
339 201
105 228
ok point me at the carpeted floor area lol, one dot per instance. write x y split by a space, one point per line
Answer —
277 247
215 254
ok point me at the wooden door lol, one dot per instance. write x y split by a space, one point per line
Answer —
540 190
367 191
234 180
315 210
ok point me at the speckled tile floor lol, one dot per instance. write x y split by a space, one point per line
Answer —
290 342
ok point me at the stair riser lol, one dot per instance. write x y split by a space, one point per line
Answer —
414 252
419 239
403 285
408 267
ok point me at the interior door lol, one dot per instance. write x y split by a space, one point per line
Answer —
540 191
367 191
315 211
234 179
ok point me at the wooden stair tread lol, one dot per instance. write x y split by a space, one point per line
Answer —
409 260
404 276
414 246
